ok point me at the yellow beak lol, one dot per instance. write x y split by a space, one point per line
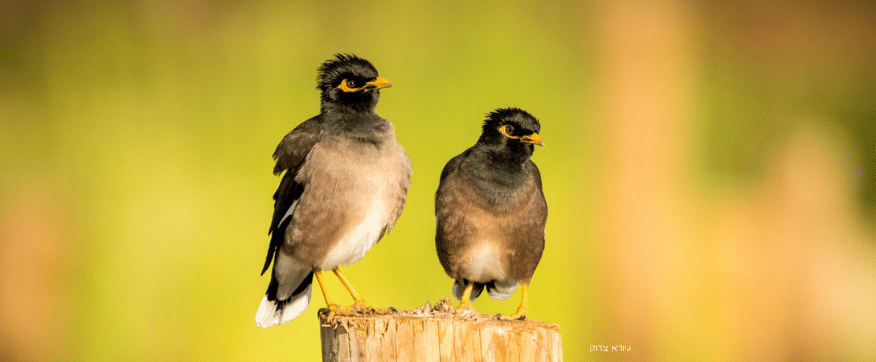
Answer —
377 84
534 139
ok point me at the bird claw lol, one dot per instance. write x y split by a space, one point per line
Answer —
389 310
364 308
358 307
465 310
361 306
330 310
513 317
464 306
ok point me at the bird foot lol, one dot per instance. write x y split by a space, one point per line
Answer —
358 307
332 307
362 307
465 310
330 310
389 310
516 316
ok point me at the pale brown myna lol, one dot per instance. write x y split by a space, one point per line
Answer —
491 211
345 185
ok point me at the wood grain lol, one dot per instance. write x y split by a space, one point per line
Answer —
436 334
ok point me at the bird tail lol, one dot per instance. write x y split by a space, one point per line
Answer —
288 293
459 288
501 290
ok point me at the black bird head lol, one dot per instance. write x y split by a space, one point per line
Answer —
350 81
511 131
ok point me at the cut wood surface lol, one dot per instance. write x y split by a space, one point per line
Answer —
436 333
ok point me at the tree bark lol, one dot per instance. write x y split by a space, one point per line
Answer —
437 334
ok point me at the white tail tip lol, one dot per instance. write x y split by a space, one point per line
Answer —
268 315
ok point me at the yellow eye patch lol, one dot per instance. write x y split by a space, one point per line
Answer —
534 138
377 83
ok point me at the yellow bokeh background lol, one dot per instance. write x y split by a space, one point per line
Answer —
710 170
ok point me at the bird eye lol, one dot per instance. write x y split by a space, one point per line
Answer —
509 129
351 83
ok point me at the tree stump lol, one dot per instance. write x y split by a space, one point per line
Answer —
438 334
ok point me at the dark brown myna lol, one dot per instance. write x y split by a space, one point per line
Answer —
345 185
491 211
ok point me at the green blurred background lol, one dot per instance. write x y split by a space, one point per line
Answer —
710 170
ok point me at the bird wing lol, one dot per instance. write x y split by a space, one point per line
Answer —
453 164
536 174
296 145
290 155
403 166
446 202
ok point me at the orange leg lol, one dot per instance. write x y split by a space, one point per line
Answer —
332 307
358 302
465 303
521 310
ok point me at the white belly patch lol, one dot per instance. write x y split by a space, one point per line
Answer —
484 263
351 247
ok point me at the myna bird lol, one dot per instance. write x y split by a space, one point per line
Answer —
345 185
491 212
